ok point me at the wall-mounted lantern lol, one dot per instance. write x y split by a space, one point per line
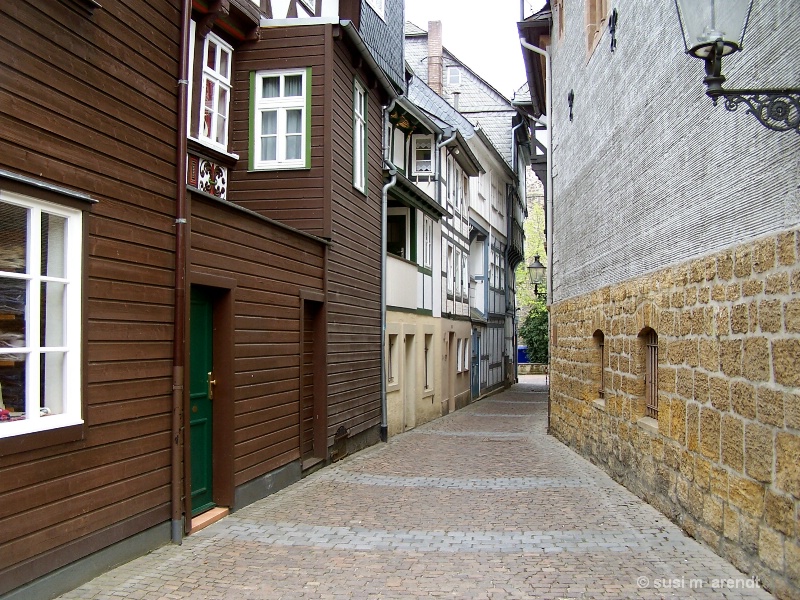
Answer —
715 28
536 272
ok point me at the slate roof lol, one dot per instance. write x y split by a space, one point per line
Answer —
433 104
412 29
385 38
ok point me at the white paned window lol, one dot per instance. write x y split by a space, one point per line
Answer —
40 315
359 137
427 250
216 92
449 268
464 276
378 6
459 354
281 119
422 158
457 271
453 76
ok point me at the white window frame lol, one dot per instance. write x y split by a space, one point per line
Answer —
222 82
414 169
459 346
464 275
427 244
457 273
453 76
281 105
360 169
66 389
449 267
379 7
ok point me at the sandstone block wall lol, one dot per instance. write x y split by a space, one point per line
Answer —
723 459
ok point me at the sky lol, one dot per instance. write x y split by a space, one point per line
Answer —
486 41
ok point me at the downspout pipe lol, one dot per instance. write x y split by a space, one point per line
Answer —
178 341
384 211
547 121
440 143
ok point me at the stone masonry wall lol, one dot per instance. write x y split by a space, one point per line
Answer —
724 459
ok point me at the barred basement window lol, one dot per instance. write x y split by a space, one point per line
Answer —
391 359
428 361
600 344
651 374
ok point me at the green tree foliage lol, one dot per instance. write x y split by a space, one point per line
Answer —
534 332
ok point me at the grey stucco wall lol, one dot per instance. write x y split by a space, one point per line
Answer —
649 172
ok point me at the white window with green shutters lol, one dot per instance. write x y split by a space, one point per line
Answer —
280 119
216 90
359 137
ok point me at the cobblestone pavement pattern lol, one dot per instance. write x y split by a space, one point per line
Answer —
479 504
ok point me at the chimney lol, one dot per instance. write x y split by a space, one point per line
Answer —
435 56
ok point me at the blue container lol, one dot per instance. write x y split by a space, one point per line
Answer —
522 354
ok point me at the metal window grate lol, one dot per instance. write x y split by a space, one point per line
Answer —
651 375
602 390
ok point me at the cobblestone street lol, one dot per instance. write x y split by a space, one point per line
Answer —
479 504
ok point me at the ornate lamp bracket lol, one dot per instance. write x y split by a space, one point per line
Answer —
778 110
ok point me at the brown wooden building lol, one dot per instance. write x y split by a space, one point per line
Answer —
189 265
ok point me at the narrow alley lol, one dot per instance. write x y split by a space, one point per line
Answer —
479 504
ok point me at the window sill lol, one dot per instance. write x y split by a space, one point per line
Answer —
209 152
279 167
25 442
392 386
648 424
600 404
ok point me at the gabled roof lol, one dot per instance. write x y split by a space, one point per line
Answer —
423 96
449 120
412 29
479 101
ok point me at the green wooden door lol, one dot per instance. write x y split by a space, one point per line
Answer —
200 399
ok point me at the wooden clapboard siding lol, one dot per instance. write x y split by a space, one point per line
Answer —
89 103
271 265
354 263
296 196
